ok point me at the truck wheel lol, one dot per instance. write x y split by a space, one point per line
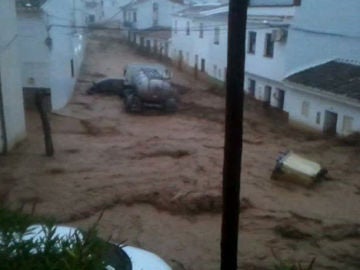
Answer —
133 103
170 105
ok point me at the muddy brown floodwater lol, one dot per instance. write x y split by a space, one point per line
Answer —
158 176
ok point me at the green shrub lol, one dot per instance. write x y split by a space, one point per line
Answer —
77 252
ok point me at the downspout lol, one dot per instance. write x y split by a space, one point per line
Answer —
3 123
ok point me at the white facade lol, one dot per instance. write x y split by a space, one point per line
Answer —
308 108
201 40
264 67
93 10
145 14
147 24
332 35
12 119
52 48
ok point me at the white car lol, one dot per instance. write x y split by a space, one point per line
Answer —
119 257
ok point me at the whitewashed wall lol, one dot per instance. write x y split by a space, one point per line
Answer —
144 13
34 52
180 41
319 104
11 89
50 67
272 68
217 53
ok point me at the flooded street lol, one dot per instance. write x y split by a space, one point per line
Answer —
157 176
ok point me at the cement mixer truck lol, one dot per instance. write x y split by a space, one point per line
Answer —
147 86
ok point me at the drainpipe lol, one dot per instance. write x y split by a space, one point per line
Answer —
3 123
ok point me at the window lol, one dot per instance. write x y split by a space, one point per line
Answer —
201 30
347 125
175 27
269 46
216 35
91 18
251 42
305 108
251 87
187 28
134 16
318 118
72 68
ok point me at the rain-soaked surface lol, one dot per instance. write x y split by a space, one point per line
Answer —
158 176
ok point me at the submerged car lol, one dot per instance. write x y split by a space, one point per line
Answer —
109 86
117 256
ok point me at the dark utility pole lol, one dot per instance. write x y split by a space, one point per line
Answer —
233 133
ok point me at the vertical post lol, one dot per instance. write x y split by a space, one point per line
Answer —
49 148
233 133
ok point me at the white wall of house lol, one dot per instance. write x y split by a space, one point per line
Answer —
257 63
194 47
335 33
217 52
93 10
35 55
262 85
183 42
55 67
66 53
272 11
312 114
11 90
145 14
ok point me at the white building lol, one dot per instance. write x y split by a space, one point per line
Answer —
199 39
93 10
12 119
330 101
326 97
292 61
266 44
52 47
147 23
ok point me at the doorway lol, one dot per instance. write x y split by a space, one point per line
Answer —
267 95
330 123
202 67
281 99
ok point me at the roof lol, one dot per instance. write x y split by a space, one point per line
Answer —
197 11
263 19
270 3
136 2
157 32
337 77
221 16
